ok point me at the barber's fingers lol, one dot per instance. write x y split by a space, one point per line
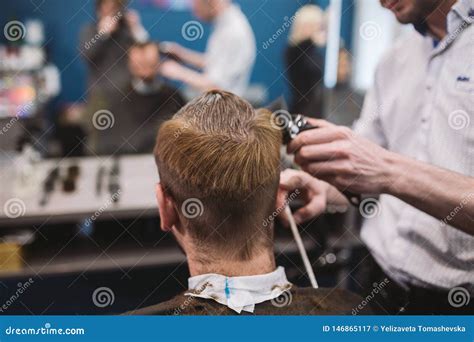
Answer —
322 152
315 190
293 179
132 13
321 135
327 169
319 122
311 210
290 180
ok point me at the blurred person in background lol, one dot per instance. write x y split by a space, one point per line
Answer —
148 102
104 47
344 68
342 104
104 44
305 61
230 53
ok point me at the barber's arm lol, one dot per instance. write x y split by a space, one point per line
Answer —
349 162
95 39
187 56
139 33
177 72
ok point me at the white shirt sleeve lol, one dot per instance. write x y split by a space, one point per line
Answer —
229 61
369 124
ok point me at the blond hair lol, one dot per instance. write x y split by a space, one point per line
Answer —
309 23
219 150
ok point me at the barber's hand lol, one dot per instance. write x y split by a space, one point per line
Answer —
172 70
132 19
171 48
342 158
299 185
107 25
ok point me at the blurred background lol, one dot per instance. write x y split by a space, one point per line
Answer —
76 221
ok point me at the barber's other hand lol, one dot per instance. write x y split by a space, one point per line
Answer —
133 20
299 185
347 161
171 48
107 25
172 70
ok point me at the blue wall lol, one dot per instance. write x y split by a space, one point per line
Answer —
64 18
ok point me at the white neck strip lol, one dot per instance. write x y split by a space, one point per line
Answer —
239 293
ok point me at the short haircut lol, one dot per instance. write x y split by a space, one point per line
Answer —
143 45
224 155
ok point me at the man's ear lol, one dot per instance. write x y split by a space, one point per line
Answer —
167 209
281 204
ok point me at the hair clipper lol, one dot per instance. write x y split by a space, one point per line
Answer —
294 124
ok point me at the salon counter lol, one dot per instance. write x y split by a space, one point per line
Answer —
20 200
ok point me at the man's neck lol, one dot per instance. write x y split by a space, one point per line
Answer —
261 264
436 20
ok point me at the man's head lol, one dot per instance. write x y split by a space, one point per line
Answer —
207 10
218 161
412 11
109 8
144 61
